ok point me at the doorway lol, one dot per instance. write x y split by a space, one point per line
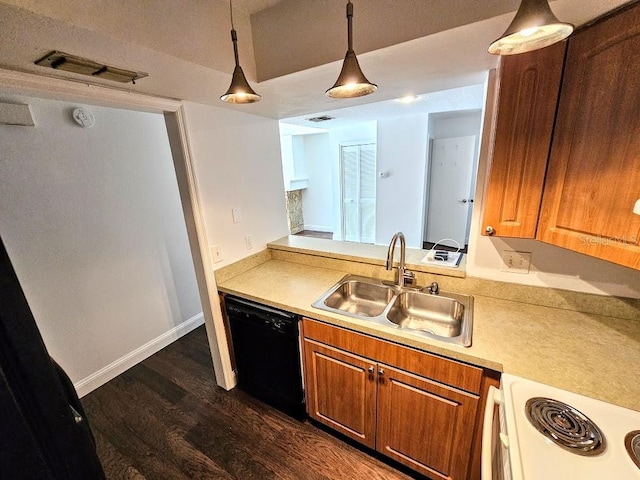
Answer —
92 220
358 192
451 171
450 200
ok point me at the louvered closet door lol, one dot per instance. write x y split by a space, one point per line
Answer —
358 172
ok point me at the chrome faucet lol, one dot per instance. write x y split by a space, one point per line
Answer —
404 276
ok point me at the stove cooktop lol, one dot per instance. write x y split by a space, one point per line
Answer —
571 436
565 426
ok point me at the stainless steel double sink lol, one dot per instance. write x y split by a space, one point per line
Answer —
447 316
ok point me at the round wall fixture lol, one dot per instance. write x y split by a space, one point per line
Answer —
84 117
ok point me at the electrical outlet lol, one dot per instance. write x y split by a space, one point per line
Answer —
515 262
235 213
248 240
216 253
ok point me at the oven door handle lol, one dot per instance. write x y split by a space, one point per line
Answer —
494 397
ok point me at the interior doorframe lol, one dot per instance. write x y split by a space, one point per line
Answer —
28 84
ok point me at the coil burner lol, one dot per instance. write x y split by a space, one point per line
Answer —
632 442
565 426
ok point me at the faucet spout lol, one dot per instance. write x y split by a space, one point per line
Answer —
390 254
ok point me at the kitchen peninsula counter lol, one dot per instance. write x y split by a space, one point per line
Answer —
589 354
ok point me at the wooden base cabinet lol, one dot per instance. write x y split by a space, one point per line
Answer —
424 424
341 391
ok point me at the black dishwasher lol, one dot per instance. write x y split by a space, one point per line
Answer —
267 352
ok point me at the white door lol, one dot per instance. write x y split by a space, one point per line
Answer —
358 189
450 199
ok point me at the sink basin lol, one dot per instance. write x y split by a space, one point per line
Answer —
441 316
447 317
364 299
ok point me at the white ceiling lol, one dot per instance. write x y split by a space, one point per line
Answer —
253 6
456 99
185 48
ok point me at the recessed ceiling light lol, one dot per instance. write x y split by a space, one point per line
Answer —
408 99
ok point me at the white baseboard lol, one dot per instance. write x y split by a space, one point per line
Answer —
319 228
102 376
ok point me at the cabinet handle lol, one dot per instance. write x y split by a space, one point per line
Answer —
381 372
489 230
371 369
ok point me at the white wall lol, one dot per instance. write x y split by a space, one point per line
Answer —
551 266
402 152
237 165
92 222
317 200
455 124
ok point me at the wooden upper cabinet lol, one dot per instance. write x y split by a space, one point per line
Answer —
593 179
528 96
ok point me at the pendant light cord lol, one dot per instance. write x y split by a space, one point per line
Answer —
349 26
234 36
231 14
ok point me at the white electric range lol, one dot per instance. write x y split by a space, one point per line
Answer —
541 432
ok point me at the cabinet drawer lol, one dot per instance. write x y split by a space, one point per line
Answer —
443 370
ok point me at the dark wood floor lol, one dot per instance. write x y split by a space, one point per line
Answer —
167 419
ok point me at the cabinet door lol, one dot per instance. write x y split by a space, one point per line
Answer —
593 180
425 425
341 391
529 85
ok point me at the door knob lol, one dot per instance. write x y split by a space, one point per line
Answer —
464 200
489 230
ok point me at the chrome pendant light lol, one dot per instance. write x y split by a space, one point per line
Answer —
534 27
351 81
239 91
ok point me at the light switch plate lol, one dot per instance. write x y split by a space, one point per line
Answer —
515 262
235 213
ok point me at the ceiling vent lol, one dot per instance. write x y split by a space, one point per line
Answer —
321 118
71 63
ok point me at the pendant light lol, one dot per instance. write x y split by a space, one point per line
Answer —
351 81
239 91
534 27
